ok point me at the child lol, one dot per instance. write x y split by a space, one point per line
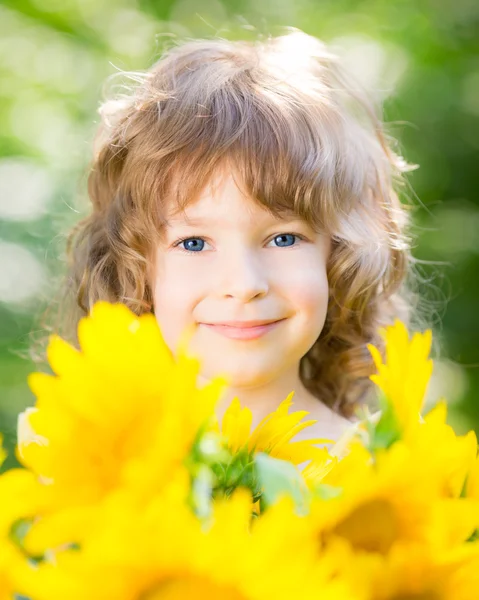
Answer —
251 182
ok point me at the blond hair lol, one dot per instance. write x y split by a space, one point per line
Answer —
302 135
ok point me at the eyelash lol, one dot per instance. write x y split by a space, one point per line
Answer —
178 242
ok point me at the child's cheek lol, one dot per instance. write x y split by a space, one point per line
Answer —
305 286
177 293
308 295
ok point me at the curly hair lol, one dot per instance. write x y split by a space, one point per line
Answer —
303 135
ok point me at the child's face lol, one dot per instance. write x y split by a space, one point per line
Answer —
237 265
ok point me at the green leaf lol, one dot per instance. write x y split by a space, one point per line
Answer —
386 431
250 478
279 478
327 492
235 469
474 537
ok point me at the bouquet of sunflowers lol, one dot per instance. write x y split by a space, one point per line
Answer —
132 490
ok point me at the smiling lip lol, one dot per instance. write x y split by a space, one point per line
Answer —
243 324
244 331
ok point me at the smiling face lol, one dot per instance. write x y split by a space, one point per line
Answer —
239 262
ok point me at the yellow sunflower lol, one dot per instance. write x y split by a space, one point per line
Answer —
119 412
315 472
163 552
18 501
404 375
472 482
273 434
414 572
395 498
451 456
409 572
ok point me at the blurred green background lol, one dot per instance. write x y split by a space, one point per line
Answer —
421 59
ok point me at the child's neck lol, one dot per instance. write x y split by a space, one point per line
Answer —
264 399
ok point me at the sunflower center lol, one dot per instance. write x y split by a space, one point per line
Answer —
372 527
192 587
420 596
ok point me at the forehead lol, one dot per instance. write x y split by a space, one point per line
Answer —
223 200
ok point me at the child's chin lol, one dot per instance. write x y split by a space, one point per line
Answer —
238 373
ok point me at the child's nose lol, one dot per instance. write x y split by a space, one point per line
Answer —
243 276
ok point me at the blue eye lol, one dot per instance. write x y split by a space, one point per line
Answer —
284 235
198 242
196 246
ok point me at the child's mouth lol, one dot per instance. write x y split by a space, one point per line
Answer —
243 333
